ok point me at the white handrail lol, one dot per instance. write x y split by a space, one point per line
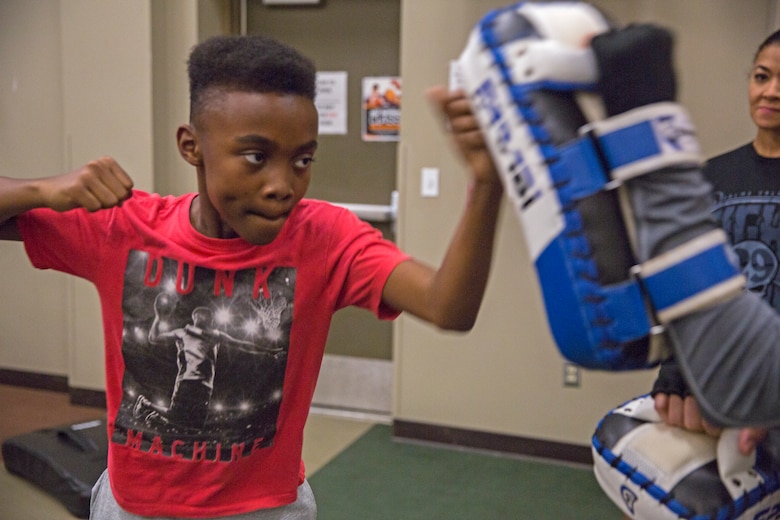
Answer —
374 212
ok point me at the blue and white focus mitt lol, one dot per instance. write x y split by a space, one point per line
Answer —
602 168
652 471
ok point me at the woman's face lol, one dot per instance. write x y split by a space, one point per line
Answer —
764 90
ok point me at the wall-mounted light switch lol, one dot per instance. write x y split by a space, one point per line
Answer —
429 182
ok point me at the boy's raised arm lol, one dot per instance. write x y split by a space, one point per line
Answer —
450 297
99 184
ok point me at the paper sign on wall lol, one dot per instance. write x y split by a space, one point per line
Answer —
331 102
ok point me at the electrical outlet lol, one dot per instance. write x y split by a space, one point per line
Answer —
571 375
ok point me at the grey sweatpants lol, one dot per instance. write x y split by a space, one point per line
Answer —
104 506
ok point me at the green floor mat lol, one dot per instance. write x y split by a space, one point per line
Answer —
377 478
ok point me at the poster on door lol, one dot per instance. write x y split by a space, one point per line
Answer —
381 102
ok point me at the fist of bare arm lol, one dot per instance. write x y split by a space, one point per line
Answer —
450 296
465 131
99 184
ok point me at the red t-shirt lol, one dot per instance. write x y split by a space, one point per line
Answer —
213 346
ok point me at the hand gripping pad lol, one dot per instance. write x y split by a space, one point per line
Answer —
530 82
652 471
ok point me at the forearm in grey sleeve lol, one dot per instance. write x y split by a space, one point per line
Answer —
728 353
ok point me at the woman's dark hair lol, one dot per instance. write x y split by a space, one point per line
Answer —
772 39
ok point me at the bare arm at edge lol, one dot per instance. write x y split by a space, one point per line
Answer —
97 185
450 296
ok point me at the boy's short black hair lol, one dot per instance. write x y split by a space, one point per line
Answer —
247 64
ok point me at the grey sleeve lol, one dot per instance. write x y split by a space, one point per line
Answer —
730 358
729 354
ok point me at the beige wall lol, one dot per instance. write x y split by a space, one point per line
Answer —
107 111
177 25
174 32
82 78
33 310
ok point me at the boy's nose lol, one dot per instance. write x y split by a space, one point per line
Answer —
277 183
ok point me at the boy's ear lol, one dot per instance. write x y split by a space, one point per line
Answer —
188 145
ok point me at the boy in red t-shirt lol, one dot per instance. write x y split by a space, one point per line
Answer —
267 266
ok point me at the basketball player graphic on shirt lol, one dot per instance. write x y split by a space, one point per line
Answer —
197 345
204 356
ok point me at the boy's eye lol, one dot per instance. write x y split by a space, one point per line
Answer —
255 157
304 162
